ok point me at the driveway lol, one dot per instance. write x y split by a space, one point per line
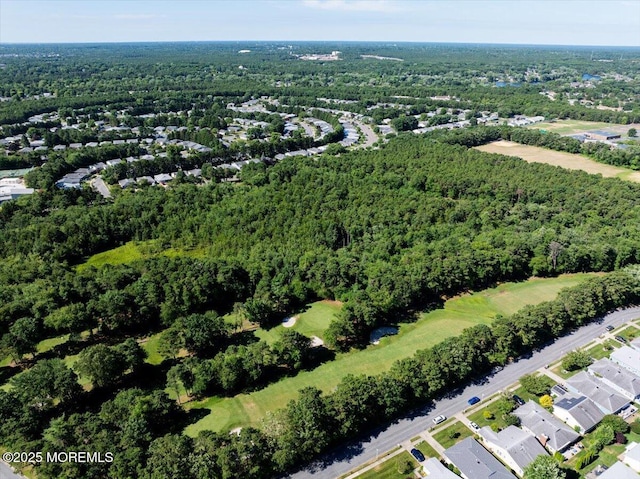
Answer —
351 455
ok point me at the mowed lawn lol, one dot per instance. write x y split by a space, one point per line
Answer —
570 127
313 321
458 313
570 161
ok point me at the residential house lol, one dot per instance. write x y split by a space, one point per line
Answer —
475 462
515 447
126 182
552 433
148 179
578 411
632 456
617 378
434 469
619 471
162 178
635 344
628 358
602 395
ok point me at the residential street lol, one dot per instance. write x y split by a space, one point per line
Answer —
7 473
354 454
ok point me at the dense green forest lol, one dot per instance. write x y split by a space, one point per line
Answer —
386 231
390 231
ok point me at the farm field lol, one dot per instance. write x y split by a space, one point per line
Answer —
535 154
570 127
458 313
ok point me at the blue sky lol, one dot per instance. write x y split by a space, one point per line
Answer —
565 22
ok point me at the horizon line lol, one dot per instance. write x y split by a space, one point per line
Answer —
3 43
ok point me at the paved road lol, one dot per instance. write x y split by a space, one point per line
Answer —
370 136
354 454
7 473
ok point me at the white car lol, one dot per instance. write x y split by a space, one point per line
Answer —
474 426
439 419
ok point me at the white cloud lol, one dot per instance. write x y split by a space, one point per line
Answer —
353 5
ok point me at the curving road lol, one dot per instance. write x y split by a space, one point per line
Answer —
348 457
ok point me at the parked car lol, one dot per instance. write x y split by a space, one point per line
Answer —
621 339
609 328
474 426
473 400
439 419
519 401
417 454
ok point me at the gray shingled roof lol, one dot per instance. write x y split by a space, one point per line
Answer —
582 409
605 398
437 470
474 461
520 445
545 426
613 374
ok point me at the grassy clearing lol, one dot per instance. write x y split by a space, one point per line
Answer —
453 434
311 322
134 250
48 344
569 127
570 161
150 345
390 468
433 327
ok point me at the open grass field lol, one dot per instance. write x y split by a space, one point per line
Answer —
570 161
133 251
313 321
570 127
431 328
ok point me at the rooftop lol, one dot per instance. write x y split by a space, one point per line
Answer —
520 445
474 461
605 398
548 429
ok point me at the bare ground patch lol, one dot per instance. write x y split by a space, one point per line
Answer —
570 161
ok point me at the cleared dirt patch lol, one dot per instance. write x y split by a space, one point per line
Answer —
570 161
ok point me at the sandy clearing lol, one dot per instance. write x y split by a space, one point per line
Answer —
535 154
316 342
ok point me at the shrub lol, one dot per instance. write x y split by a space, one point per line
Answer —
488 415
